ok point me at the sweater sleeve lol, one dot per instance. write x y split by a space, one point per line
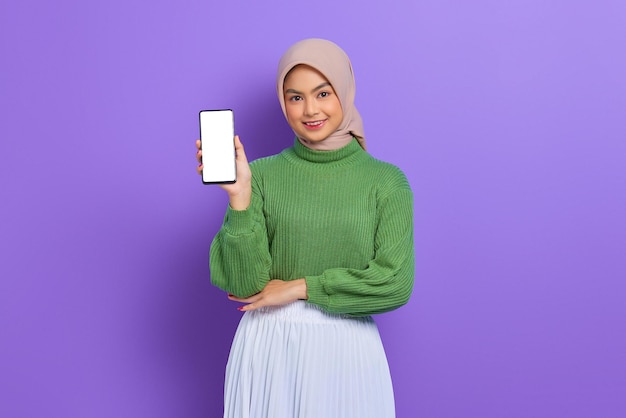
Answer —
386 282
239 258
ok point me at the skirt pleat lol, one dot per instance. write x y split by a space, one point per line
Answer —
299 361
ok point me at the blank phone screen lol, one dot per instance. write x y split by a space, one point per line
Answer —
217 134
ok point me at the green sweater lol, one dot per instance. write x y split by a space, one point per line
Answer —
340 219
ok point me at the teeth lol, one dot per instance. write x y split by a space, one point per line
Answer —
313 123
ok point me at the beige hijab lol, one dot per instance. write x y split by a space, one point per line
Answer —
327 58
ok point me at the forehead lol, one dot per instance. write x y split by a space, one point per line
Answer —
304 74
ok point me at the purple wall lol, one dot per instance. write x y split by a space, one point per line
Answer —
507 116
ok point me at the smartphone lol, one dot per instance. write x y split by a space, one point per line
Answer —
217 133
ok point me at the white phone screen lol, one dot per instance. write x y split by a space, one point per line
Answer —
217 133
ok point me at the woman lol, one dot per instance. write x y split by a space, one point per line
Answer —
315 240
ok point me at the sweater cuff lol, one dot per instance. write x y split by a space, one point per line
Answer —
315 291
239 222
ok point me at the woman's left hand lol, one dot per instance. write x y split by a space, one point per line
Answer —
276 292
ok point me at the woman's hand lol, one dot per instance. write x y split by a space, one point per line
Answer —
276 292
239 192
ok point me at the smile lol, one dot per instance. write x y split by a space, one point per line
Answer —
315 124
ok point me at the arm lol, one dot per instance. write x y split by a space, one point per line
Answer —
239 257
387 281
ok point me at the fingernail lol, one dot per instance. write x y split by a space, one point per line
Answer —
240 309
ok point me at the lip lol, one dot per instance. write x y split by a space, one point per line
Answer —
318 124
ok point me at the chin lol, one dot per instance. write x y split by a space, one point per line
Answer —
313 140
318 137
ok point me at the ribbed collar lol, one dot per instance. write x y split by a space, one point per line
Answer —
346 154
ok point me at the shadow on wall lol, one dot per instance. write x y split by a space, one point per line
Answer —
193 322
259 121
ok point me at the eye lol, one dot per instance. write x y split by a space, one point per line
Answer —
295 98
324 94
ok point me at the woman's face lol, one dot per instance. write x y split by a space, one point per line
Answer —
313 109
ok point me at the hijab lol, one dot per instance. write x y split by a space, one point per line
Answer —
330 60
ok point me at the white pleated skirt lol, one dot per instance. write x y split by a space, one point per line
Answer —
299 361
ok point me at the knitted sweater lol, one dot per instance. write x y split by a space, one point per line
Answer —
340 219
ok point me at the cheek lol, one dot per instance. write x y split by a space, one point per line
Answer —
292 114
338 111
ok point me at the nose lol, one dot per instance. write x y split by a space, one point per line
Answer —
311 108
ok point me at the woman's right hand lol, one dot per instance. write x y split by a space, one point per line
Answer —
239 192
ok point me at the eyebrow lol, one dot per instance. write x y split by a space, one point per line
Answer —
321 86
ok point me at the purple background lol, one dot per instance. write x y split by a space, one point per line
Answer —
508 117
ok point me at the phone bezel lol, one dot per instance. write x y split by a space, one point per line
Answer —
232 113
